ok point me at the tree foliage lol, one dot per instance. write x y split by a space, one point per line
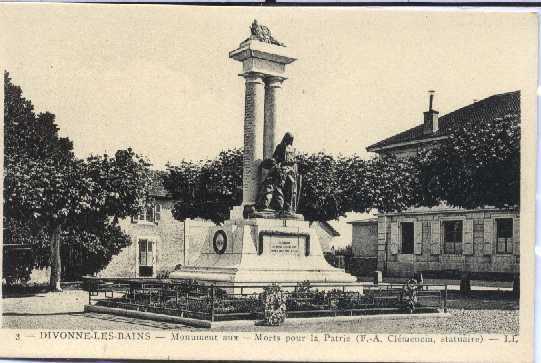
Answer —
332 186
206 189
478 165
392 183
28 134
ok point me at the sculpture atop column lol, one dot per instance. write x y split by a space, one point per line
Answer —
263 34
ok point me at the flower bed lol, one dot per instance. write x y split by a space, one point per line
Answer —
273 305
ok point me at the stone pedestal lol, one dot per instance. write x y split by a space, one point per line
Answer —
259 251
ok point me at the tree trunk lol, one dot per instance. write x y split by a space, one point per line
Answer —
56 263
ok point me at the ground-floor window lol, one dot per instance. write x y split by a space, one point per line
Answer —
504 235
407 237
452 237
146 258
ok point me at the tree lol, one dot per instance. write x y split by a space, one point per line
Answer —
59 196
332 186
84 197
28 139
320 187
478 164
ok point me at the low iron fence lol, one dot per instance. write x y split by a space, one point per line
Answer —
216 302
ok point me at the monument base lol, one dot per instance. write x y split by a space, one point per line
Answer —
261 251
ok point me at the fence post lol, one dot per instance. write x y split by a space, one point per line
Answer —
212 303
445 300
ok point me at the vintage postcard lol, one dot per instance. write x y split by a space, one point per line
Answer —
268 183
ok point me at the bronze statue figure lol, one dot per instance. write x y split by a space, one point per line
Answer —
280 188
263 34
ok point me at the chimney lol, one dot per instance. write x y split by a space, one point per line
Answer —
431 116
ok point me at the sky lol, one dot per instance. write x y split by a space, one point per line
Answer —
158 78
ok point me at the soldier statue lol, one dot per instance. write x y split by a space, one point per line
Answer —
280 188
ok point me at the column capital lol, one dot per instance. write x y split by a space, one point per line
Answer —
253 77
274 81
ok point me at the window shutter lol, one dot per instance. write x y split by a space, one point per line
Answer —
468 237
418 238
149 214
436 238
157 211
394 238
150 253
516 236
142 252
488 229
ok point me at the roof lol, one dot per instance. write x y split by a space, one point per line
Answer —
364 221
17 246
327 226
486 109
445 209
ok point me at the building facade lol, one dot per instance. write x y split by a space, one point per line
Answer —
443 241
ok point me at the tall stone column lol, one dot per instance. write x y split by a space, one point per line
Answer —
253 136
272 92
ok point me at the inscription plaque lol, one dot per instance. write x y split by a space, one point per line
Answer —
282 241
284 245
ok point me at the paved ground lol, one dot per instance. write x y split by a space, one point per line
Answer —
483 312
65 311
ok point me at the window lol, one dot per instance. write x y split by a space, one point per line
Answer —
504 235
452 237
146 260
407 237
149 214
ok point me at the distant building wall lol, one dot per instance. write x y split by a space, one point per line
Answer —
364 238
166 237
481 250
364 243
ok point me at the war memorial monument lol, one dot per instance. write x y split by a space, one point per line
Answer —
264 240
